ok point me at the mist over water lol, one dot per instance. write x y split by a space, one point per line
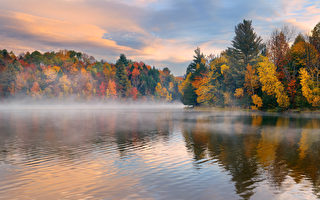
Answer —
72 104
120 150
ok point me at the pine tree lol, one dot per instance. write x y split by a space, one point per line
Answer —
189 95
299 38
123 59
246 45
122 81
315 37
198 66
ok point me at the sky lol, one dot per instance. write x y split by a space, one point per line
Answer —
163 33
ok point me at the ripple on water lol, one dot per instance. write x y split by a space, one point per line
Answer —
157 155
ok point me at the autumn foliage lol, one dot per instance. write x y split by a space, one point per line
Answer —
279 74
66 74
276 74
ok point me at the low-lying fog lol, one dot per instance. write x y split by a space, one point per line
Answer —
68 105
27 104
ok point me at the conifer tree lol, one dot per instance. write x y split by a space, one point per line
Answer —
315 37
121 77
189 95
246 47
198 66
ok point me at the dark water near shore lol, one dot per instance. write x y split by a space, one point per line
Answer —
157 154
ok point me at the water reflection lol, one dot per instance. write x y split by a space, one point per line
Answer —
168 154
257 149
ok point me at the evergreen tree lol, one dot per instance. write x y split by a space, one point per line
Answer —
122 80
299 38
198 66
189 95
246 45
123 60
7 78
35 57
315 37
153 79
196 70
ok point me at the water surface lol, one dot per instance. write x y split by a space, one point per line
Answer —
157 154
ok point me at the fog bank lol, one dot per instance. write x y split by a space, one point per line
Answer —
70 104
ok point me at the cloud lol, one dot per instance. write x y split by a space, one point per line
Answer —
34 30
303 15
130 39
164 33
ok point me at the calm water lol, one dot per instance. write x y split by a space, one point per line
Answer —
157 154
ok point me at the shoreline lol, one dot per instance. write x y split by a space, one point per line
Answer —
291 112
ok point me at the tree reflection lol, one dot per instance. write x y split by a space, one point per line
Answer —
136 130
229 149
253 149
42 133
263 148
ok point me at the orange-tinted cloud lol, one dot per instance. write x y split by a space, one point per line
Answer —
159 32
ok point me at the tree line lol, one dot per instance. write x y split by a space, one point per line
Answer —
69 73
281 73
278 74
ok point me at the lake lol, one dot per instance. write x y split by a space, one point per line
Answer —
165 153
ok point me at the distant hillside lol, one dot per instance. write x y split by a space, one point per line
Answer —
69 73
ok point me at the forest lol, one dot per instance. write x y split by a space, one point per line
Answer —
280 73
66 74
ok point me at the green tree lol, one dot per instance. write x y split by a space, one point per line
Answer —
189 95
246 47
299 38
315 37
122 80
124 60
196 71
7 79
35 57
198 66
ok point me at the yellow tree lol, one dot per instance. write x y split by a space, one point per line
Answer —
310 89
209 88
171 87
162 92
270 83
184 84
257 101
238 93
51 73
108 71
88 89
169 97
251 80
303 55
65 85
206 90
224 68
